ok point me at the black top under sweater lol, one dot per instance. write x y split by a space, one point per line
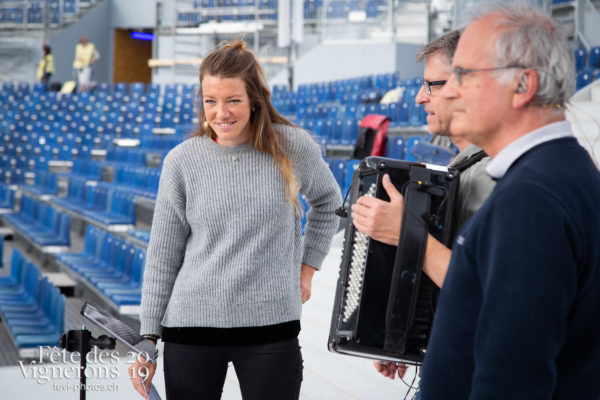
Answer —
245 336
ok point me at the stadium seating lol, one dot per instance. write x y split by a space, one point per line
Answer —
110 265
41 223
32 308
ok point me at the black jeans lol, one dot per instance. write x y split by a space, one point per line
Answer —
265 371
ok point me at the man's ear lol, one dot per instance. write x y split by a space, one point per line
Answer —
526 88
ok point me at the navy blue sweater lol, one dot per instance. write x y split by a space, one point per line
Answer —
519 313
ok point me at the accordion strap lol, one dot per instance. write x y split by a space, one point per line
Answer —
467 162
408 263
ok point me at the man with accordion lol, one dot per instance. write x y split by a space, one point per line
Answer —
381 220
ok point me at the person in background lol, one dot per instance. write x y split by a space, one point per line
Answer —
517 317
227 268
85 57
45 67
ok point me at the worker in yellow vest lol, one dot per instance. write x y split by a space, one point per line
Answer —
45 67
85 56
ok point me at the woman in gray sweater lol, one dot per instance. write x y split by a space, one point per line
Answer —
227 268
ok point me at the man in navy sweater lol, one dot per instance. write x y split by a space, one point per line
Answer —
518 316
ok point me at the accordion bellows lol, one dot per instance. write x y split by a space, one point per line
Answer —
384 304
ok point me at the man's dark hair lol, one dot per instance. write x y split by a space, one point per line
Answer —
445 45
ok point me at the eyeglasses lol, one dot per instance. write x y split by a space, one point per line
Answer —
429 84
460 72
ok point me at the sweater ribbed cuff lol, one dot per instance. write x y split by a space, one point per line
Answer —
313 257
150 327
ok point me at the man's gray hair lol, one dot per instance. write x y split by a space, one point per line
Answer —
445 45
534 40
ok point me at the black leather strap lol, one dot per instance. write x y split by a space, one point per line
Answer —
408 263
474 159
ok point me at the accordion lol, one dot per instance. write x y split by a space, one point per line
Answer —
384 304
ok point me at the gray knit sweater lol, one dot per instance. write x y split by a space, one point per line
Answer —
226 246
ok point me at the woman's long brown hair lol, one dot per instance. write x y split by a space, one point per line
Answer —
233 60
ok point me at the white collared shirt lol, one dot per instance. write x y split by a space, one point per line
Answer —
498 166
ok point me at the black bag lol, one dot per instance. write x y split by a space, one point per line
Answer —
372 136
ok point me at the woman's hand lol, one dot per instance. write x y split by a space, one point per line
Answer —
306 275
141 373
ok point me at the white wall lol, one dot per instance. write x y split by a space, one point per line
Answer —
335 61
133 14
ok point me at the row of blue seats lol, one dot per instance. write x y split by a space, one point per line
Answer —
396 110
101 202
140 181
12 176
110 264
98 112
52 107
403 113
120 155
335 9
103 89
44 183
102 132
86 169
339 9
92 121
112 112
46 144
328 91
37 159
265 9
18 149
51 135
37 12
414 148
31 306
41 223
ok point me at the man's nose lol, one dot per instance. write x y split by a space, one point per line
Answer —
422 97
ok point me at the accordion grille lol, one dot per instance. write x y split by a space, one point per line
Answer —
357 267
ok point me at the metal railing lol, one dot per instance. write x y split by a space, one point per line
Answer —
40 14
587 23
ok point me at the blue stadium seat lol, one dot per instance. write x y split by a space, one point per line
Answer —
17 274
92 248
127 284
594 58
430 153
338 168
351 166
410 142
584 78
395 148
22 289
580 58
